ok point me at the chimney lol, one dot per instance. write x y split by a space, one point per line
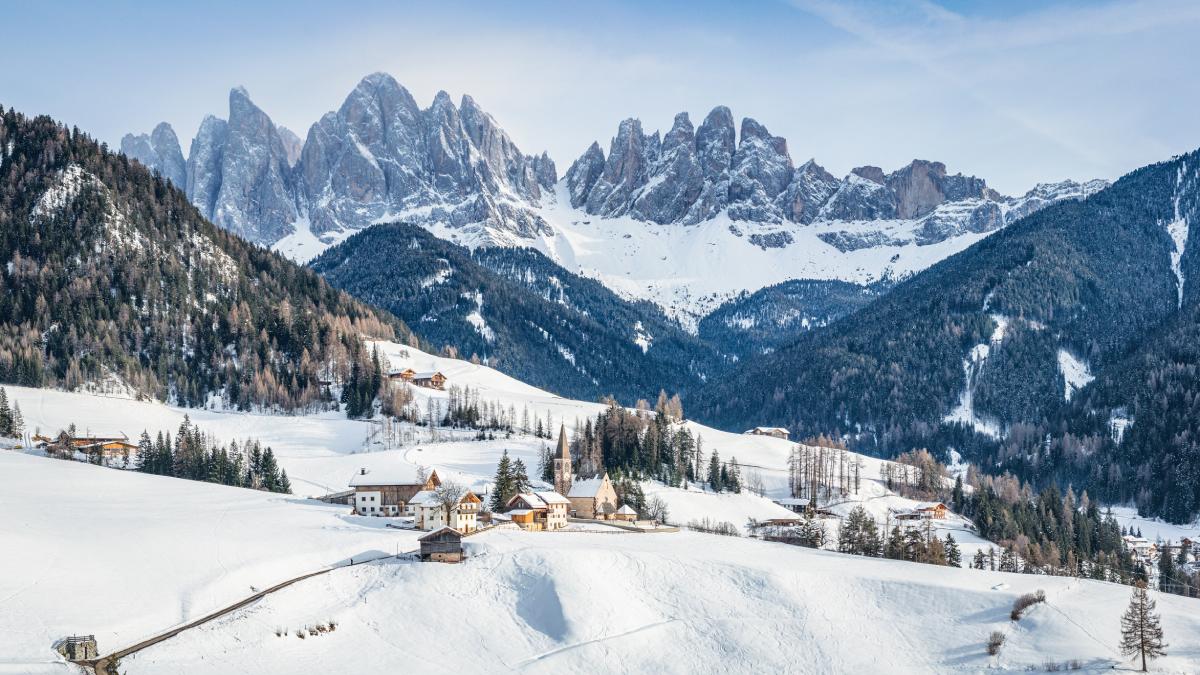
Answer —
362 471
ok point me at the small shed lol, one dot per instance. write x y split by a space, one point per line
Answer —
625 513
444 545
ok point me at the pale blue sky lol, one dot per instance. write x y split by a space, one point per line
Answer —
1015 92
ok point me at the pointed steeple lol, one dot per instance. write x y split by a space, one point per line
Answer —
563 452
562 464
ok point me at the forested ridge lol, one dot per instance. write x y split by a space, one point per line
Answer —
521 313
111 274
1092 278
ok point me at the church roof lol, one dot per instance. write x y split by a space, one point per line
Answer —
626 510
564 451
587 487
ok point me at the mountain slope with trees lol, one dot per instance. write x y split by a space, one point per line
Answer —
111 275
521 312
1103 280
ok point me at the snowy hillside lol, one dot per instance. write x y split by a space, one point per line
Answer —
123 555
528 601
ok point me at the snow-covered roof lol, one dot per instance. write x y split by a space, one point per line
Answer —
518 512
587 487
397 474
552 497
423 498
768 430
440 530
626 510
425 375
540 499
792 501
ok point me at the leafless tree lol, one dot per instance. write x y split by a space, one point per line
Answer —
448 495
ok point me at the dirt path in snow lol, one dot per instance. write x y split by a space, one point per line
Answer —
101 664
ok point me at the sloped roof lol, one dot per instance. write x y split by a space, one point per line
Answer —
423 498
552 497
440 531
626 510
425 375
585 488
395 474
768 430
540 499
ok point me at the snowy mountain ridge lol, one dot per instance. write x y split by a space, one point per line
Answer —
451 168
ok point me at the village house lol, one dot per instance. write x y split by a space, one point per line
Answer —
401 374
387 492
793 504
932 510
429 514
110 449
430 380
541 510
1144 549
775 432
442 545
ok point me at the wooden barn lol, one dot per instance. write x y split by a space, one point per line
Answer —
430 380
387 492
444 545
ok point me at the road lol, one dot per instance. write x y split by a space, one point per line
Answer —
100 665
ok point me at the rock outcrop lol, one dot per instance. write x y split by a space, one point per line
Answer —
159 151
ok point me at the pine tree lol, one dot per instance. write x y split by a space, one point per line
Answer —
144 462
714 473
735 476
894 549
6 425
502 488
859 534
520 477
953 555
1141 632
285 485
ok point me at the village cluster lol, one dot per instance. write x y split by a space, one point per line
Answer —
450 512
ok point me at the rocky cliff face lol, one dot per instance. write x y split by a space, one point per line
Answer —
159 151
238 173
689 177
381 157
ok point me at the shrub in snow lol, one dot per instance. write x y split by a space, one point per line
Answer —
995 641
1025 602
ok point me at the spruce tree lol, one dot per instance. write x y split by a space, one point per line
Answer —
953 555
520 477
502 487
714 472
1141 632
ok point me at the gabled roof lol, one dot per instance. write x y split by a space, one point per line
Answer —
768 430
440 531
423 498
626 510
587 487
539 500
552 497
426 375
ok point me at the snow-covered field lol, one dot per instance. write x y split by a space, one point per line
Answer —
123 555
669 603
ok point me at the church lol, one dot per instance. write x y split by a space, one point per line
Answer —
593 497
